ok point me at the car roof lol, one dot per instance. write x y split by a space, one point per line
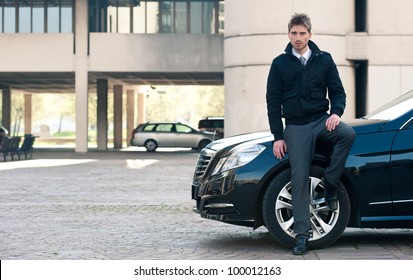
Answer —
213 118
164 123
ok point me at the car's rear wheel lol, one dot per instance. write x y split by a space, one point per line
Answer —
327 225
151 145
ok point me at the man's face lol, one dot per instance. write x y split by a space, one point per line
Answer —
299 37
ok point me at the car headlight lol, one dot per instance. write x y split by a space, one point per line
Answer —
238 157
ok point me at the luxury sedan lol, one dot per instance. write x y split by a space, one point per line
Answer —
169 134
238 180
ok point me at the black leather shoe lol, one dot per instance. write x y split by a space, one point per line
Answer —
330 195
301 247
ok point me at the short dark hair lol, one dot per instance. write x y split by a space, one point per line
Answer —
300 19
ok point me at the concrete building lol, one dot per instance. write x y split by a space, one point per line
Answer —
81 46
84 46
369 41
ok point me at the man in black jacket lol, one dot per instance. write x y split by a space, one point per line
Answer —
305 89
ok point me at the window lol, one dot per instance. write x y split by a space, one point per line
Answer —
167 15
156 16
183 128
139 19
38 11
181 18
53 24
151 16
66 16
112 17
24 16
36 16
196 16
123 20
9 17
164 128
149 127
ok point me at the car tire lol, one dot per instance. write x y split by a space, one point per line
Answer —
327 226
203 144
151 145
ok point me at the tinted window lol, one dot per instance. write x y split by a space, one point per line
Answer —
183 128
149 127
164 127
211 123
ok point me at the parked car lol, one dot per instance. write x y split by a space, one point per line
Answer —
169 134
238 180
214 124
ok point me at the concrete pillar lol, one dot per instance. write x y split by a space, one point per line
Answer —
27 113
6 109
117 116
251 45
81 75
141 108
130 113
102 115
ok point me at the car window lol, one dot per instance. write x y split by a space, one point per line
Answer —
183 128
211 123
164 127
149 127
218 124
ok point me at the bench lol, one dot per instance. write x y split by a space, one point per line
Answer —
10 147
26 148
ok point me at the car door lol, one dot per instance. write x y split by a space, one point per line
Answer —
186 136
370 162
402 172
165 135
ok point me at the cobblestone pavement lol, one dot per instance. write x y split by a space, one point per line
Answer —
131 204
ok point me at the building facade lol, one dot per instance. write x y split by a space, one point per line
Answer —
369 41
84 46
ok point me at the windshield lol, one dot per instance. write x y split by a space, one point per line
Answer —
393 109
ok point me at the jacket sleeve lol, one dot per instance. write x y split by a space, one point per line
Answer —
274 101
336 92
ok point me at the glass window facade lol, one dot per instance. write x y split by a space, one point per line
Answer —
36 16
9 16
114 16
53 24
156 16
24 16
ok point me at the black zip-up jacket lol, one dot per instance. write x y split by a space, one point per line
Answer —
299 94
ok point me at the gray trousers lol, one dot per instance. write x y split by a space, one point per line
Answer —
301 140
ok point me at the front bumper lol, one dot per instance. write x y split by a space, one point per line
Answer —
233 196
224 199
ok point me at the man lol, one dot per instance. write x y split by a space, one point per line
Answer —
304 87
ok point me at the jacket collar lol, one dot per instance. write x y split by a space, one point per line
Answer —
313 47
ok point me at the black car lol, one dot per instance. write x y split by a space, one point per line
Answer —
238 180
213 124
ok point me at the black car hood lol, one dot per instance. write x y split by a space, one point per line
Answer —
360 126
238 139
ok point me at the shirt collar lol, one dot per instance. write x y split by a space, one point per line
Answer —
306 55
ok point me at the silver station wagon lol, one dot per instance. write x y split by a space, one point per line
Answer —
169 134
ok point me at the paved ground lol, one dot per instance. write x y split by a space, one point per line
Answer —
131 204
